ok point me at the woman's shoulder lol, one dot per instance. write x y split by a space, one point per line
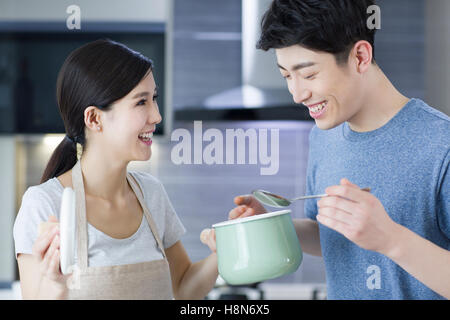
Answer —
146 179
49 191
38 203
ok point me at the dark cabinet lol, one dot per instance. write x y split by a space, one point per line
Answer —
30 59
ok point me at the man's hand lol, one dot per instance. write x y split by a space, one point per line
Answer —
358 215
247 206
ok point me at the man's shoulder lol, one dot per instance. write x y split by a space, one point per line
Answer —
431 113
428 123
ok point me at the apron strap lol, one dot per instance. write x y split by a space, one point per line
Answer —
81 221
137 190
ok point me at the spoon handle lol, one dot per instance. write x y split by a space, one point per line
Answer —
321 195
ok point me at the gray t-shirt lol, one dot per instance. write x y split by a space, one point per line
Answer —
41 201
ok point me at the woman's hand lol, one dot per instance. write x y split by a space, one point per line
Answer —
208 237
52 283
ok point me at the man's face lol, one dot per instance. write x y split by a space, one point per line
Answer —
331 92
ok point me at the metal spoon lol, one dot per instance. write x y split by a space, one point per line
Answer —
277 201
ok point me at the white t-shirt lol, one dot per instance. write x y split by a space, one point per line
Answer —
41 201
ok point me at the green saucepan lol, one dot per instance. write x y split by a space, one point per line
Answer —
257 248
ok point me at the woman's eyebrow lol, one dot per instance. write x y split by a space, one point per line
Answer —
144 93
141 94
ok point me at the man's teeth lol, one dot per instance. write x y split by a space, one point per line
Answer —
318 107
146 135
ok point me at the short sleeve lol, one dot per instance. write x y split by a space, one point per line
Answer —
310 206
174 229
443 204
36 207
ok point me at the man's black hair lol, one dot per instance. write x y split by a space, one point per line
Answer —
332 26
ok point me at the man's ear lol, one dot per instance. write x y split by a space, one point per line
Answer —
362 54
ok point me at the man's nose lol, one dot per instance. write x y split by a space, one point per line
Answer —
300 94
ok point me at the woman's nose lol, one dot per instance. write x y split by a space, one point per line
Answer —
155 116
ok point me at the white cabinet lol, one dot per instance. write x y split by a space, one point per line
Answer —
98 10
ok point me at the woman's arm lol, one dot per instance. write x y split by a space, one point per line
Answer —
191 280
40 277
308 235
29 276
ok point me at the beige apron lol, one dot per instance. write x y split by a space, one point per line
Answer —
146 280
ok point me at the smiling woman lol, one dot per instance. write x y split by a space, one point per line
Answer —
127 232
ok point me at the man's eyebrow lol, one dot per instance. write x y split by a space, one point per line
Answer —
299 66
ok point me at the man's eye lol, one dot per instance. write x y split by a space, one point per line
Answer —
142 102
287 76
310 76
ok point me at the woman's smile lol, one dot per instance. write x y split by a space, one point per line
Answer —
146 137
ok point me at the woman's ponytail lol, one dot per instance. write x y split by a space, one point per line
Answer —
63 159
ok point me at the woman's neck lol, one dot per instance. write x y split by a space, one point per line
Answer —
103 178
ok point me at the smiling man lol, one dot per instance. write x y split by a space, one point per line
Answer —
391 243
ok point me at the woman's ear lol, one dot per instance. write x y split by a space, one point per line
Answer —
362 55
92 118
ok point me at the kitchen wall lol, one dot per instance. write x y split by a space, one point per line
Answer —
206 49
437 57
7 200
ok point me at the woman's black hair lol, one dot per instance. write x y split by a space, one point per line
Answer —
96 74
332 26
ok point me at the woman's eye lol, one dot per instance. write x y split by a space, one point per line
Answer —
155 97
287 77
142 102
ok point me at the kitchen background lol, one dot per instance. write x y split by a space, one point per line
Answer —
206 64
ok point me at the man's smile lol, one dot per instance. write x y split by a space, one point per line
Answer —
316 110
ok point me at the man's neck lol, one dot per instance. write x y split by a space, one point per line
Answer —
382 102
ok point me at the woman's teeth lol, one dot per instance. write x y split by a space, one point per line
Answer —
146 136
319 107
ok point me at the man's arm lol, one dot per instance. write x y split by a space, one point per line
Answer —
361 218
422 259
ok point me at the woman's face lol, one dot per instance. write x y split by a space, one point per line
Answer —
129 125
